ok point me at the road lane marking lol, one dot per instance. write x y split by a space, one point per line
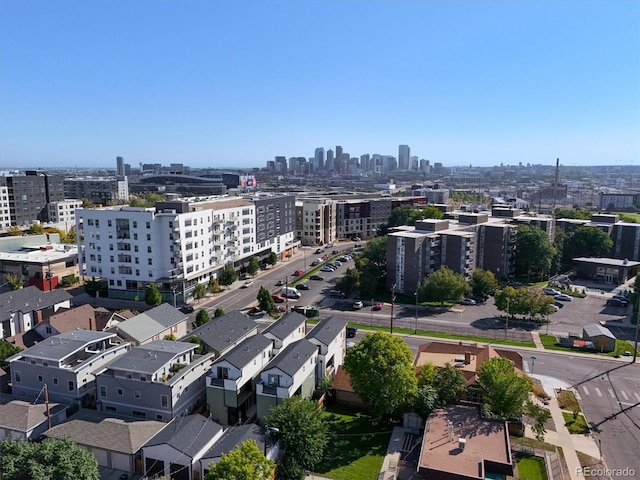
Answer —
637 396
629 404
624 395
598 392
586 392
611 393
577 395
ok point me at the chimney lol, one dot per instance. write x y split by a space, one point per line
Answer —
467 357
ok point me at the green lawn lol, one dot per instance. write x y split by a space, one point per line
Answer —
357 447
568 401
531 468
550 343
576 426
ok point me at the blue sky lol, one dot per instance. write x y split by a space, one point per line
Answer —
234 83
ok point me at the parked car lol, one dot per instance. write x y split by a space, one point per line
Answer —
351 332
467 301
616 302
356 239
302 286
187 309
622 298
563 297
318 250
350 344
327 269
377 306
555 307
337 294
343 259
297 273
559 304
357 245
357 305
316 277
279 283
328 245
247 284
277 298
551 291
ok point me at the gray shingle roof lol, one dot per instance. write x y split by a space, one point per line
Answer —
23 416
58 347
151 357
188 434
223 332
152 322
246 350
327 329
285 325
233 437
291 359
596 330
116 433
29 299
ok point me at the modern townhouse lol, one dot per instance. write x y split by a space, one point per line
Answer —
175 451
330 336
287 329
154 324
292 372
231 383
78 318
21 310
221 334
67 363
159 381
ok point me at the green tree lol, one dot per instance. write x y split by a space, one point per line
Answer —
51 459
265 301
303 434
170 337
152 295
199 291
577 213
218 312
427 374
6 350
15 281
534 251
86 203
228 275
202 317
35 229
375 253
370 277
245 462
483 282
441 285
587 241
213 286
503 390
202 348
399 216
426 400
272 259
382 373
540 416
253 267
424 212
14 231
449 383
71 236
350 281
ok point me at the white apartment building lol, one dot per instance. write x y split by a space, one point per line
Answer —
5 215
316 220
64 211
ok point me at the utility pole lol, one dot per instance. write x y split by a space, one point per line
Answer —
506 323
393 301
46 402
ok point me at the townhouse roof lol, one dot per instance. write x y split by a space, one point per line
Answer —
23 416
223 332
233 437
246 350
117 433
152 322
597 330
189 435
285 325
327 329
30 299
78 318
293 357
149 358
58 347
614 262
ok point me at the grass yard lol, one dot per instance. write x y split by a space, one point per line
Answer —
357 447
550 342
567 401
531 467
575 426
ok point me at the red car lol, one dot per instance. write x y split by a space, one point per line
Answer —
377 306
277 298
297 273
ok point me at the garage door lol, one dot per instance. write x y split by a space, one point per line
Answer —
120 461
101 456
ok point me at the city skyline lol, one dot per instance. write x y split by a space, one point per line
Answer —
234 84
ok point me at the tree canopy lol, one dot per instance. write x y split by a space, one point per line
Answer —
202 317
534 251
587 241
6 350
245 462
504 391
152 295
523 301
199 291
265 301
214 285
253 267
272 259
303 434
51 459
483 282
228 275
15 281
441 285
382 373
447 382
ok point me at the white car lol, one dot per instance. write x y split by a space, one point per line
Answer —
247 284
467 301
357 305
551 291
562 297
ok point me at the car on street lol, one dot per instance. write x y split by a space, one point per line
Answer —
343 259
356 239
297 273
302 286
351 332
316 262
318 250
247 284
316 277
279 283
377 306
187 309
616 302
277 298
329 245
467 301
551 291
337 294
357 305
563 297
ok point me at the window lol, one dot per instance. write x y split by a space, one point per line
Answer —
148 237
109 408
111 246
149 249
48 329
135 224
135 236
108 222
103 391
159 418
120 392
55 381
148 224
40 378
143 378
70 385
164 400
136 393
18 377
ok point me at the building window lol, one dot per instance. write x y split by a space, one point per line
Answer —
40 378
18 377
120 392
48 329
135 224
138 414
136 393
109 408
148 224
55 381
159 418
103 391
143 378
164 400
70 385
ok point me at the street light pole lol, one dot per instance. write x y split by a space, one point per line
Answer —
415 329
533 362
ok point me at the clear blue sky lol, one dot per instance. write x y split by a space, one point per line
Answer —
234 83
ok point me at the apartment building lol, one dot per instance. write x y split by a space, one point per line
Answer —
67 363
316 221
156 381
30 193
154 324
329 335
63 212
5 209
362 217
287 329
101 191
626 241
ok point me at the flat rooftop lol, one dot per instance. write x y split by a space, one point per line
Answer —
486 444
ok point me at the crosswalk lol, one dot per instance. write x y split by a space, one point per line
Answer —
621 394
